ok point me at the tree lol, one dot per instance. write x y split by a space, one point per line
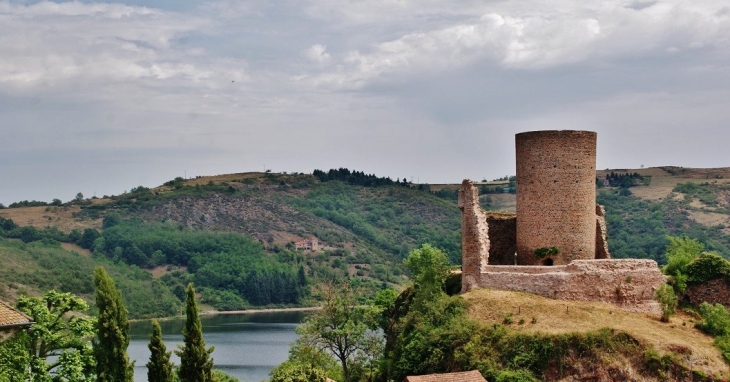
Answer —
59 332
159 368
680 252
110 350
290 371
340 327
87 238
426 324
79 197
195 362
668 301
429 267
14 358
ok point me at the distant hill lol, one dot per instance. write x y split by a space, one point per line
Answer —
363 226
362 233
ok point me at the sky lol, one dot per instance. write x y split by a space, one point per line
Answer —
100 97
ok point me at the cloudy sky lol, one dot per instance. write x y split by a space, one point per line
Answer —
100 97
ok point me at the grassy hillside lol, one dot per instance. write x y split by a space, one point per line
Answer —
364 225
675 341
33 268
235 235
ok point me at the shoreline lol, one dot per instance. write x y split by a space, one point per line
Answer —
265 310
244 311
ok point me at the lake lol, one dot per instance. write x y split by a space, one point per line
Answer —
247 346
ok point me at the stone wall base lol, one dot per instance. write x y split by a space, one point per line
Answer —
629 284
712 292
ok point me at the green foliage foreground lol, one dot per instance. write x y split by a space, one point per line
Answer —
427 331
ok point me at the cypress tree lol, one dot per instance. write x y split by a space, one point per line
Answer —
112 329
159 368
195 362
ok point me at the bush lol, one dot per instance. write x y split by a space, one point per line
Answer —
515 376
543 252
680 252
716 320
668 300
708 266
723 343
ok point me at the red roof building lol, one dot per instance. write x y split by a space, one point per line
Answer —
464 376
11 320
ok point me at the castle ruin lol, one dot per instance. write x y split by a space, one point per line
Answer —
555 245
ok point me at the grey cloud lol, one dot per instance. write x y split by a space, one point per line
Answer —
118 95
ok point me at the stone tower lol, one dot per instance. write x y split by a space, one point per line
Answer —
556 197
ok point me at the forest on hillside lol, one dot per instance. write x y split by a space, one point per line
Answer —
236 238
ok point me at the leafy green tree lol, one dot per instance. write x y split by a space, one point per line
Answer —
195 362
340 327
707 266
426 325
429 267
59 331
88 237
680 252
220 376
112 329
15 359
159 368
716 319
290 371
306 363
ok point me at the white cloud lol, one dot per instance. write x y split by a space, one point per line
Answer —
64 44
537 35
317 53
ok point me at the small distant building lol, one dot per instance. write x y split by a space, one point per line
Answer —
606 183
11 320
311 244
464 376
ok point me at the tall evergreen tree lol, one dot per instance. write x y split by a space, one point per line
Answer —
195 362
159 368
112 328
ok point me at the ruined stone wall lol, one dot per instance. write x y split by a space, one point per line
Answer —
628 283
711 292
601 234
556 195
502 237
474 236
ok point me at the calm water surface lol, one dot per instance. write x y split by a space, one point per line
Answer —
247 346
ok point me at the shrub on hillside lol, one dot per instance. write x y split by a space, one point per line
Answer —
708 266
668 301
715 320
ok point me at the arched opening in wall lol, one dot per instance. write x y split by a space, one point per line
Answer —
547 262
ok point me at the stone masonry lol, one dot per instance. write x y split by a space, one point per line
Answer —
556 198
629 283
502 230
555 208
474 236
601 234
712 292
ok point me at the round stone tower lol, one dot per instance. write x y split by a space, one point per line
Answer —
556 196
